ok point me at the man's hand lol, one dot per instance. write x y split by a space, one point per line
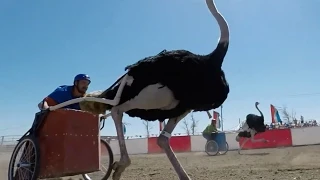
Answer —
105 116
43 105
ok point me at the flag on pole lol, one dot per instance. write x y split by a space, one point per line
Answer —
216 119
161 125
275 115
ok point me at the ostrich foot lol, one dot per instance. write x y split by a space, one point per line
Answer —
119 167
239 151
185 178
163 143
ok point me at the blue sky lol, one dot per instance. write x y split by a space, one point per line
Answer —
273 56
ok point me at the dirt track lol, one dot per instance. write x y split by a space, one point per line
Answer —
268 164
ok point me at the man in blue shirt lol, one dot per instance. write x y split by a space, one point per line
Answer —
65 93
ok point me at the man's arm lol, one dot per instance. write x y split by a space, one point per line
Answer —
46 103
52 99
214 128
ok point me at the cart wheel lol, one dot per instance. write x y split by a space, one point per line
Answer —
212 148
223 152
107 159
27 155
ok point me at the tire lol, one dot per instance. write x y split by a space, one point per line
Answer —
226 150
110 154
34 169
212 148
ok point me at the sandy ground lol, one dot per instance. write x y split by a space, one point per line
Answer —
299 163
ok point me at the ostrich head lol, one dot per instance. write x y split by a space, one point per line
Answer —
93 107
257 103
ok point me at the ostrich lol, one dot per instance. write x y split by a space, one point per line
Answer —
253 125
168 85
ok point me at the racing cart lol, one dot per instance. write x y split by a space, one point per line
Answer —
216 144
62 142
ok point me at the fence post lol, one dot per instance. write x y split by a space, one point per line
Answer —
2 139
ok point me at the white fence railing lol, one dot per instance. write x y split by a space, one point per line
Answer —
9 140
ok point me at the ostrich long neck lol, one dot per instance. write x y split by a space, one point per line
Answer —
216 57
223 25
259 111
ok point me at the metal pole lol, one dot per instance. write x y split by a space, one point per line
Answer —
2 139
221 118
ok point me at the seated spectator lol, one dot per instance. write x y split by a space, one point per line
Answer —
208 132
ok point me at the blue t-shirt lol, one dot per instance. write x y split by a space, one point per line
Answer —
63 94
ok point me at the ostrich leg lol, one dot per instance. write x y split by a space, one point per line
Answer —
252 134
151 97
252 140
125 161
163 142
241 146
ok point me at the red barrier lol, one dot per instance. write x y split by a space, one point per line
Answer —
276 138
177 143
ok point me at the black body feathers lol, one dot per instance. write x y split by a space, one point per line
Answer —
195 80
